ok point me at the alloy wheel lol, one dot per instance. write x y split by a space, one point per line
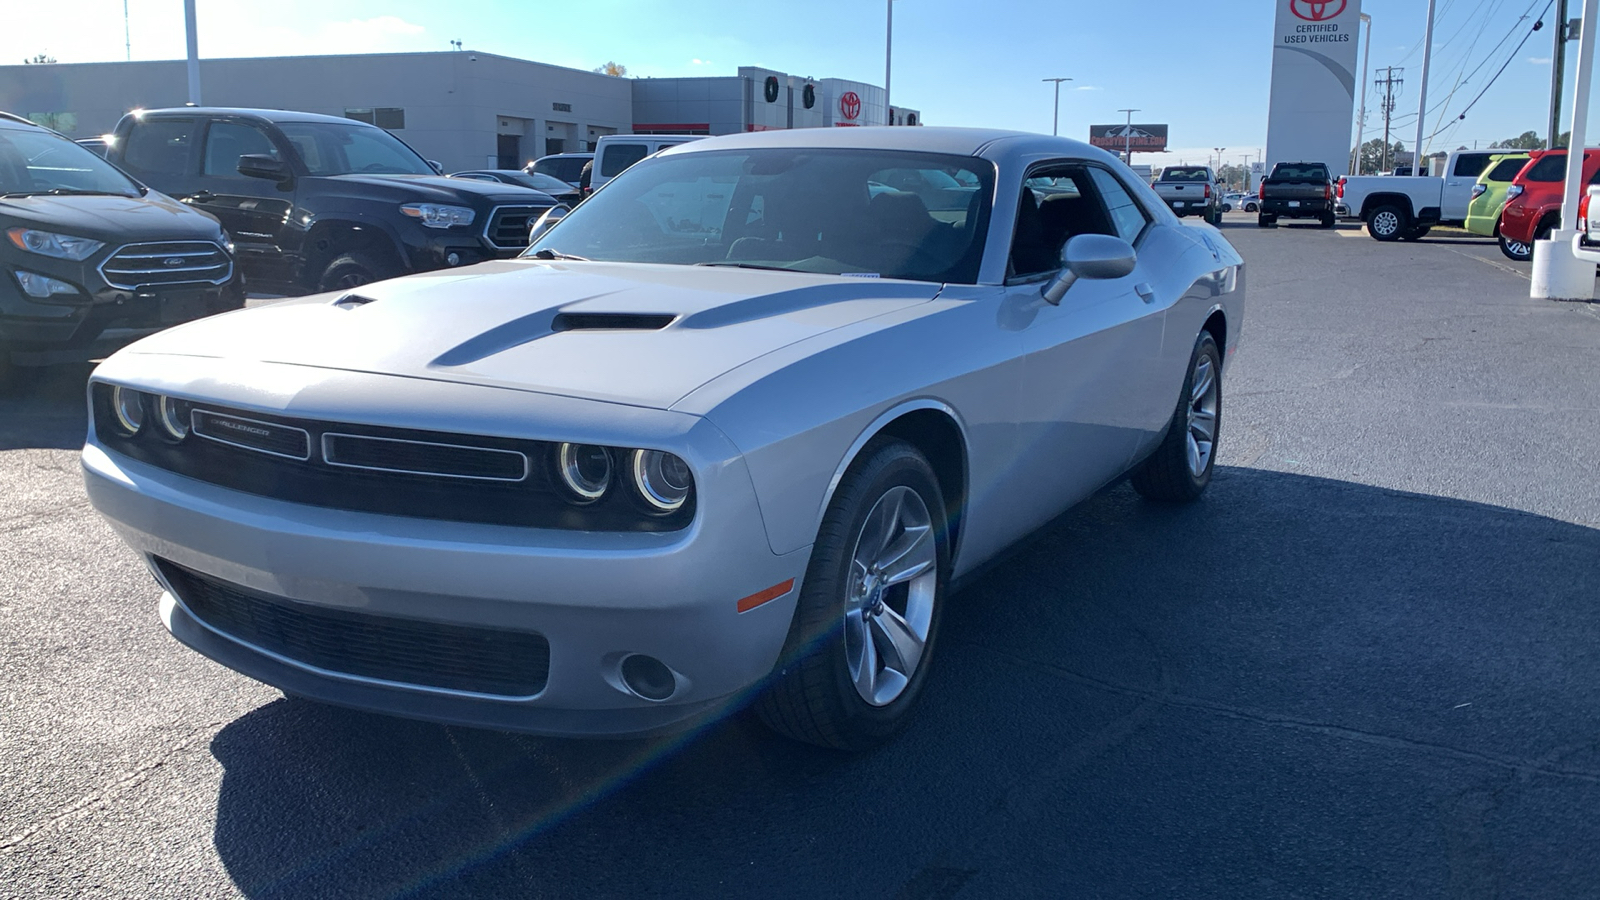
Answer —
1204 395
1385 223
892 586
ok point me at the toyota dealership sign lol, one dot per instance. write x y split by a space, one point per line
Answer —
1314 74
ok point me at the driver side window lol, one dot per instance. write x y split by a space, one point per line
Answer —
1057 203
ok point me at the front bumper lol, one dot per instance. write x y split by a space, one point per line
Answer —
75 320
595 597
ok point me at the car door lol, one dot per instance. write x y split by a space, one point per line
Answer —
254 210
1092 390
1458 182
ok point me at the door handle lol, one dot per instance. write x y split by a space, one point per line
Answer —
1145 292
201 197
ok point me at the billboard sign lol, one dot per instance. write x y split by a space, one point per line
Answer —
1138 138
1314 76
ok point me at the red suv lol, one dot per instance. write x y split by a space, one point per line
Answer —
1533 202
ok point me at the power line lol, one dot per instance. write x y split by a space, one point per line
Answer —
1514 52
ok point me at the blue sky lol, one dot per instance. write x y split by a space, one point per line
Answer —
1201 67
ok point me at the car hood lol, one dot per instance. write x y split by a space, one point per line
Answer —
442 189
645 335
112 219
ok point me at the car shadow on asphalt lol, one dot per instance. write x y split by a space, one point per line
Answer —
1221 699
45 408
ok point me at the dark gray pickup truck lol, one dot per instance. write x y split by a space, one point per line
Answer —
1191 191
1297 190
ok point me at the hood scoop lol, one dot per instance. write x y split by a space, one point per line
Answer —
607 321
351 301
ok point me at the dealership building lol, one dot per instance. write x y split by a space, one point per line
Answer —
463 108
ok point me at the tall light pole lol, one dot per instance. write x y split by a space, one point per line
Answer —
1055 123
1361 117
1127 136
194 52
1422 93
888 54
1219 155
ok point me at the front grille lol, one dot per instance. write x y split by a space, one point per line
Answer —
378 469
138 266
508 225
387 648
423 458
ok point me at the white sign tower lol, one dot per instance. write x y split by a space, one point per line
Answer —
1313 82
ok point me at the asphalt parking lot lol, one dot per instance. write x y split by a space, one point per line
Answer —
1366 665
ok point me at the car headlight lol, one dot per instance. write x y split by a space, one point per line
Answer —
172 415
43 286
48 243
227 241
663 480
436 215
128 407
585 470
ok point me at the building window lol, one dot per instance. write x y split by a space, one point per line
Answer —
390 117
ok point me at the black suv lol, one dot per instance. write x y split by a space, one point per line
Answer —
85 249
320 203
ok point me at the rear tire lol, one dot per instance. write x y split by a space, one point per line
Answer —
1265 221
1515 250
1180 469
1387 223
1416 233
1328 220
851 601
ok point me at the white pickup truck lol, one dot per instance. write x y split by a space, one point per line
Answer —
1396 207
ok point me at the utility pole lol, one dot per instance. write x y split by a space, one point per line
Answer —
1127 136
127 35
1558 59
1390 82
888 54
1055 123
194 52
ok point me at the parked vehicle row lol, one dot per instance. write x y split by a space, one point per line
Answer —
1396 208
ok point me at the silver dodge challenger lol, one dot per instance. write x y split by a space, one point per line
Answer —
724 435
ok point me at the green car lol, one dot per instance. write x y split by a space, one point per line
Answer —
1489 194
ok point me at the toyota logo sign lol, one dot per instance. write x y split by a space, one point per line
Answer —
849 104
1317 10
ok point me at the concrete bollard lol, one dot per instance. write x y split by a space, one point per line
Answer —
1557 274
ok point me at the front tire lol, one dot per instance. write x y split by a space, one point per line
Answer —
349 271
1180 469
862 640
1387 223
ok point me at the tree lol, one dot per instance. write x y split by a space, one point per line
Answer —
1233 176
615 69
1373 159
1527 140
40 60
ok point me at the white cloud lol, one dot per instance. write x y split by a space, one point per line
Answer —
1088 87
1539 60
700 62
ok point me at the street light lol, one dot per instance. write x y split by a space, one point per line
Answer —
888 54
1219 155
1127 136
1056 122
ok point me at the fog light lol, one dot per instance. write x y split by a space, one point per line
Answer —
42 286
128 406
648 677
452 258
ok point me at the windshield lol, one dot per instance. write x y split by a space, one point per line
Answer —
566 168
1185 175
35 161
329 148
859 212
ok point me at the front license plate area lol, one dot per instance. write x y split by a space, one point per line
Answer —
178 308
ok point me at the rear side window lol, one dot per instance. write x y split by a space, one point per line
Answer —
1507 169
566 168
1470 165
617 157
1550 167
160 147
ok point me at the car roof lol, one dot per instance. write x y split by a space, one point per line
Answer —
586 154
989 143
12 120
270 115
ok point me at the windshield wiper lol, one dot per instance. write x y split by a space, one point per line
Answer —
62 192
743 265
547 253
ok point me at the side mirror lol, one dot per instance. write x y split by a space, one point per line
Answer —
262 165
1097 256
438 167
546 222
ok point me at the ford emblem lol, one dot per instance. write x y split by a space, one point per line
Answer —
172 262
